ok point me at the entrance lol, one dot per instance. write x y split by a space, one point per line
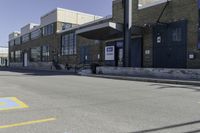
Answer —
169 45
84 55
135 58
136 52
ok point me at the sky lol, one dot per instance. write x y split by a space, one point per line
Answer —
17 13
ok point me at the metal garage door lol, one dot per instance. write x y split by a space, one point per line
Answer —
169 45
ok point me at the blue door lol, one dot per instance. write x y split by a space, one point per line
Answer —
136 52
84 55
169 45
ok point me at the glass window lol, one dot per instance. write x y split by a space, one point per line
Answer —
177 35
35 34
25 38
12 57
35 54
18 41
66 26
148 3
18 56
68 44
48 30
45 53
12 43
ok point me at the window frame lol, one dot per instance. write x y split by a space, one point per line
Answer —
18 41
48 29
36 34
18 56
38 56
68 44
45 54
151 4
26 38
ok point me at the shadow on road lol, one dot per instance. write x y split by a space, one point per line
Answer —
170 127
33 72
168 86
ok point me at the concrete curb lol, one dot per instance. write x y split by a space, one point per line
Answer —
43 70
141 79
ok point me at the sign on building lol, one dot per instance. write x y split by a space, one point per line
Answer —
110 53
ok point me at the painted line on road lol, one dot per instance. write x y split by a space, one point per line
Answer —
9 103
27 123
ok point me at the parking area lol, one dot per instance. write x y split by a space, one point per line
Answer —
50 102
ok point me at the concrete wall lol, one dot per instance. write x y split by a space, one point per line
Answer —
67 16
34 65
151 72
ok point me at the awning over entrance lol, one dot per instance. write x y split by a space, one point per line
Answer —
102 31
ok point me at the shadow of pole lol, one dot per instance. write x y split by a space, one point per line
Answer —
170 127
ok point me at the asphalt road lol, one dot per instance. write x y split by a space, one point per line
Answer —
94 105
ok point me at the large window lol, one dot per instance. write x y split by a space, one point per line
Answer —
45 53
18 56
18 41
35 34
12 57
48 30
25 38
35 54
147 3
68 44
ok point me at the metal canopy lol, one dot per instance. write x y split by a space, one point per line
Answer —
103 31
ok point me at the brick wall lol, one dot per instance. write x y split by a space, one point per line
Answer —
176 10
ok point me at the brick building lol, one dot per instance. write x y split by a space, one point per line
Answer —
164 34
37 45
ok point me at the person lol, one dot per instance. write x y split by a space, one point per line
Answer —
6 63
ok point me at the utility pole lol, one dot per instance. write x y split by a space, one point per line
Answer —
127 4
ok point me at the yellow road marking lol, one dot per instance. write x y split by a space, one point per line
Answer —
22 105
17 101
27 123
2 103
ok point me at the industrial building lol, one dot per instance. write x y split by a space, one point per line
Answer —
37 45
164 34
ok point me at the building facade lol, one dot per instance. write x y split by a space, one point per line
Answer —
38 45
164 34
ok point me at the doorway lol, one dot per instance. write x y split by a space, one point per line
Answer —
169 45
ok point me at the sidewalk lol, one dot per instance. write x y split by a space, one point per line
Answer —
32 70
144 79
